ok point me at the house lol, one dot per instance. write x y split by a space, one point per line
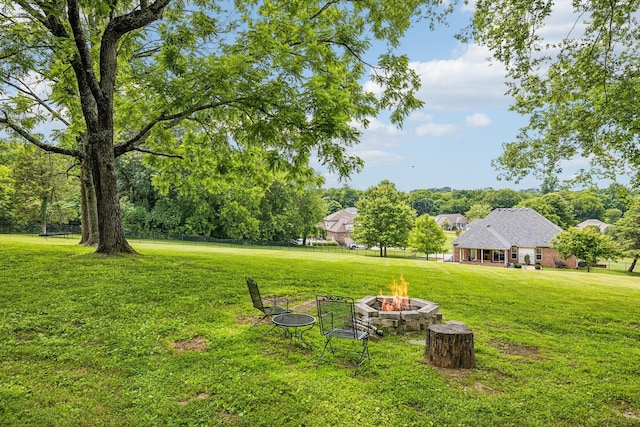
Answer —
339 225
507 236
593 222
452 221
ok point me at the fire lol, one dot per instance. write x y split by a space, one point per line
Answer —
400 297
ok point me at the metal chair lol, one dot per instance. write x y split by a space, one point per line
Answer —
273 306
337 320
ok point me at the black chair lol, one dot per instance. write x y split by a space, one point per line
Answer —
337 319
269 305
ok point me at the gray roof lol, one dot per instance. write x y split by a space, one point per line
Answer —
504 228
450 218
594 222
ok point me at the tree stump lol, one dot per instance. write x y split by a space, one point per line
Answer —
450 346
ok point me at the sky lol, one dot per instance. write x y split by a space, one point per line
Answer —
462 126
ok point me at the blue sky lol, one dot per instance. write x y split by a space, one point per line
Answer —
451 141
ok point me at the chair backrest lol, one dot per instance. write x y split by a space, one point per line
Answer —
337 313
255 294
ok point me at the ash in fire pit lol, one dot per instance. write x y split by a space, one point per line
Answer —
398 313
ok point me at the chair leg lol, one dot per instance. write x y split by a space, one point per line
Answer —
324 350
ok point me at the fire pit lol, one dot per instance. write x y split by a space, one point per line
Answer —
398 313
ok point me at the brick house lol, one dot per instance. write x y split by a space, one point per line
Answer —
339 225
507 236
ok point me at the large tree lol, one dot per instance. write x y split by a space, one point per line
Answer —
427 236
228 87
588 245
384 218
580 90
627 232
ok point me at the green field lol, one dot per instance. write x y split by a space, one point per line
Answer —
164 338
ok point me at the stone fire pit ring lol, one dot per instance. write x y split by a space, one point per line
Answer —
420 315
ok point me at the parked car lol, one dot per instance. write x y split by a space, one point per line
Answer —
355 246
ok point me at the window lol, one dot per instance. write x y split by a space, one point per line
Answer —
538 254
514 252
498 256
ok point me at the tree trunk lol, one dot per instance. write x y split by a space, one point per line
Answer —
111 233
90 235
633 264
450 346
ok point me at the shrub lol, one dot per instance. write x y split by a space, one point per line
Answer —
517 265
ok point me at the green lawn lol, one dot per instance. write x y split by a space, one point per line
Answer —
164 339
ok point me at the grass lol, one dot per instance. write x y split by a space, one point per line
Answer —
165 339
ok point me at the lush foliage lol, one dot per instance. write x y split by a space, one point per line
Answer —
627 232
211 90
384 218
427 236
578 90
588 245
90 341
478 211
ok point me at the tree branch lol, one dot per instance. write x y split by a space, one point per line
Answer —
35 141
36 98
171 120
83 50
156 153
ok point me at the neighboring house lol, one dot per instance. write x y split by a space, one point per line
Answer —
507 236
339 225
594 222
452 221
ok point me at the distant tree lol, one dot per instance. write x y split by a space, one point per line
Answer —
616 196
333 206
554 207
384 218
426 236
478 211
612 215
588 245
310 209
423 202
587 205
627 232
503 198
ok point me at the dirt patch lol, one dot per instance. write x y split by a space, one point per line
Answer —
304 307
194 344
512 349
246 320
199 396
625 409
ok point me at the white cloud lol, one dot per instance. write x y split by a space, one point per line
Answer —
420 116
468 81
436 129
378 158
478 120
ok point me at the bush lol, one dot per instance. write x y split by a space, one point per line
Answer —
517 265
538 266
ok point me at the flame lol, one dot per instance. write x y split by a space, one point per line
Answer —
400 297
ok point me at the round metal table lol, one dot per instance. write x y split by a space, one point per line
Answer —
294 325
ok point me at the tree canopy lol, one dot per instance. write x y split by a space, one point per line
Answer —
627 232
209 89
588 245
384 218
579 90
427 236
